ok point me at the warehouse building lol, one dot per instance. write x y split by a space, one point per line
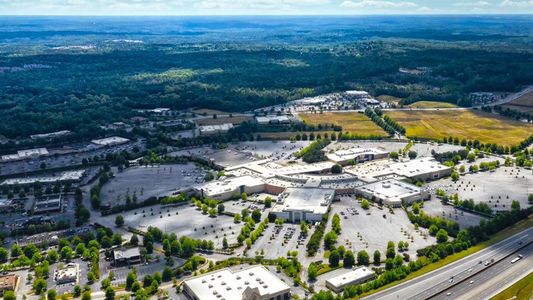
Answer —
50 135
230 187
356 276
356 155
215 129
425 168
110 141
254 283
26 154
47 205
303 204
391 192
272 120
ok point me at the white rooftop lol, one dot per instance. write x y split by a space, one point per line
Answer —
417 166
267 119
230 285
357 274
391 190
215 128
230 184
22 154
314 200
114 140
65 176
342 155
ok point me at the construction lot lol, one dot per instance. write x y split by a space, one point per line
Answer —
463 124
149 181
371 229
497 188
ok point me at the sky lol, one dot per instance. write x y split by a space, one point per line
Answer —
262 7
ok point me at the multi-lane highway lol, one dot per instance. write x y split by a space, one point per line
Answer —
434 283
490 282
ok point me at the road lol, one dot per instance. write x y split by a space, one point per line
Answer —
490 282
432 283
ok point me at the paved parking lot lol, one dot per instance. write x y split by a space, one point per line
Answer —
371 229
497 188
464 219
184 220
150 181
277 240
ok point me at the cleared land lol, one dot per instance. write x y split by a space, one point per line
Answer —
523 103
432 104
389 99
236 120
352 122
464 124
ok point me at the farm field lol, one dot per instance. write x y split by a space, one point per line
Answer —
464 124
432 104
236 120
352 122
522 104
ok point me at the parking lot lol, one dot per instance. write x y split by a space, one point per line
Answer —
371 229
150 181
422 149
463 218
277 240
184 220
497 188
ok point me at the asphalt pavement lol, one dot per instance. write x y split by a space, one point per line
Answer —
433 283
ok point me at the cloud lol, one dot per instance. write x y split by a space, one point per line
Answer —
471 4
378 4
517 4
258 4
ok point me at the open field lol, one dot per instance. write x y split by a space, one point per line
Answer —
522 289
236 120
432 104
389 99
352 122
522 104
464 124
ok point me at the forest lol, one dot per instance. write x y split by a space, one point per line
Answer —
78 80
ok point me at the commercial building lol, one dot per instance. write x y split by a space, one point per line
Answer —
391 192
303 204
229 187
67 274
110 141
47 204
254 283
272 120
50 135
356 155
68 176
127 256
425 168
26 154
8 283
356 276
215 129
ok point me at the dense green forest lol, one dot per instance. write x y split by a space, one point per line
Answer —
79 88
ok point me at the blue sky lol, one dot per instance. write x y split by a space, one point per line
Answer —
261 7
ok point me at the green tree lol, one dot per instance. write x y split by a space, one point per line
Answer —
167 274
334 258
349 259
134 240
9 295
237 218
442 236
109 293
377 257
4 255
515 205
455 176
77 291
268 202
119 221
39 286
130 280
336 169
394 155
330 239
220 208
363 259
312 271
365 204
256 215
433 229
86 295
51 295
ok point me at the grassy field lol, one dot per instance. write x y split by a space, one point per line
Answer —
464 124
234 120
523 104
522 289
507 232
432 104
352 122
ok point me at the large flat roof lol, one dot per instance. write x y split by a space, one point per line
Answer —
230 184
114 140
229 285
315 200
357 274
390 189
417 167
342 155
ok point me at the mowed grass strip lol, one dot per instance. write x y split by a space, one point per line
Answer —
352 122
432 104
464 124
522 289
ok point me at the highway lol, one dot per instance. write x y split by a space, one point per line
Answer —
434 282
493 280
